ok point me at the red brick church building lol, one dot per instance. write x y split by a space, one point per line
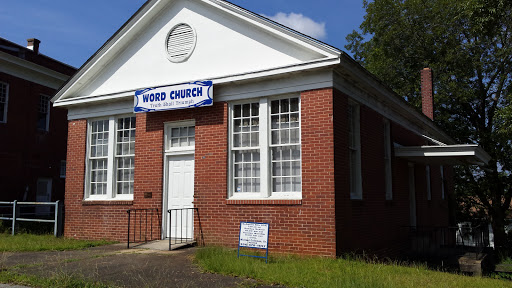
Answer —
290 131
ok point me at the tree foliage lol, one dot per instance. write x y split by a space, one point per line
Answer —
468 44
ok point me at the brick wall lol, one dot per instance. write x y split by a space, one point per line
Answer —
374 224
325 222
27 153
306 226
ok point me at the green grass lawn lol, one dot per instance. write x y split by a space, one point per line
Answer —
323 272
29 242
57 281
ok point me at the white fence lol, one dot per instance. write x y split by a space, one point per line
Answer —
41 208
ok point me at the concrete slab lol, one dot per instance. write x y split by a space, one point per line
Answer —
163 245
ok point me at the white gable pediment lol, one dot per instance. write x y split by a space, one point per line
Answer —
228 43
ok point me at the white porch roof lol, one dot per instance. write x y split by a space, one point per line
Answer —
464 154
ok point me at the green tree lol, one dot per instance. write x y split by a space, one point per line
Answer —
468 44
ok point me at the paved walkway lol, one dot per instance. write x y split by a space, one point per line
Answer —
125 268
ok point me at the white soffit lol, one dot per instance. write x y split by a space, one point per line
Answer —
445 154
232 44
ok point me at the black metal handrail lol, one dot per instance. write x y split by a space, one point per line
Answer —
182 224
145 233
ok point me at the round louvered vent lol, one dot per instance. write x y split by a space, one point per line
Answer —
180 43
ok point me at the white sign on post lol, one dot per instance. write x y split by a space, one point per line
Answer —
254 235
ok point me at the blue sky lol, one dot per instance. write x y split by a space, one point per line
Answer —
71 31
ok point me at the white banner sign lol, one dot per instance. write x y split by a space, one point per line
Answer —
254 235
189 95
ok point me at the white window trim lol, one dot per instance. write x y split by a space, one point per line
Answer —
47 124
265 161
388 168
356 193
429 187
111 194
6 102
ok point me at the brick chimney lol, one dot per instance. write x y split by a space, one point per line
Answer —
33 44
427 93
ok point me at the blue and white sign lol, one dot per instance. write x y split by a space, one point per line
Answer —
189 95
253 235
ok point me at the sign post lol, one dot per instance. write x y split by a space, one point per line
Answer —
254 235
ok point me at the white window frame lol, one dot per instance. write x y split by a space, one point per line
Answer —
48 106
354 147
6 104
441 170
388 169
168 126
429 186
264 149
111 161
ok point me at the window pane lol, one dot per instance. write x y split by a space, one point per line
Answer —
246 110
285 121
285 136
182 137
274 124
237 125
296 168
285 105
255 107
237 109
255 139
294 136
274 107
294 105
286 168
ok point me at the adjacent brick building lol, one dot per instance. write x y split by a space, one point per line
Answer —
33 132
298 136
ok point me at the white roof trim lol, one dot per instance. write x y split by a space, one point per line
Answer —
448 154
272 26
220 80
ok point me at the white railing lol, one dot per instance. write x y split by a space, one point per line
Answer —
15 216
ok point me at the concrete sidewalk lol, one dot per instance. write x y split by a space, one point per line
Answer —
119 266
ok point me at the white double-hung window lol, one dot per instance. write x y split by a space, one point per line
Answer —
265 149
110 158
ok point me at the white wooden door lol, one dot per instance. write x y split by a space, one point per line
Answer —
180 189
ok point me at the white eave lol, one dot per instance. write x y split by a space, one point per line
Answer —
27 70
465 154
314 64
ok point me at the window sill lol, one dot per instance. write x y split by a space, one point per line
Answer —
264 202
107 202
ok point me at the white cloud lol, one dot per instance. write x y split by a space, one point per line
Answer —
301 23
